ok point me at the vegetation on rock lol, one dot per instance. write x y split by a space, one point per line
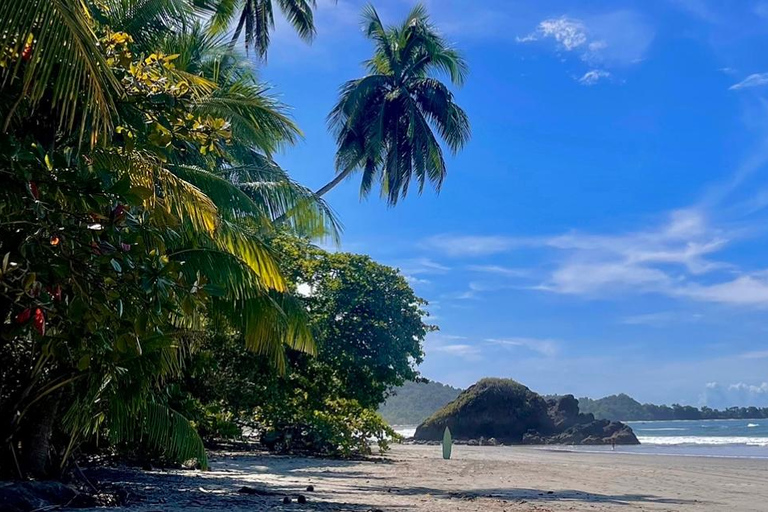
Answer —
509 412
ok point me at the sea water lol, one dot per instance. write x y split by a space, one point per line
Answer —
707 438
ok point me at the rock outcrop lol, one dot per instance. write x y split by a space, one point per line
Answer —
510 413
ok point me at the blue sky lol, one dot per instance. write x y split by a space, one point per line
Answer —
605 230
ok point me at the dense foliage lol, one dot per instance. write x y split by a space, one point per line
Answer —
369 330
414 402
147 237
625 408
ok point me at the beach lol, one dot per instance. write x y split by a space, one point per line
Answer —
413 477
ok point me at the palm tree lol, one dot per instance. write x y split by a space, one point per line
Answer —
384 123
257 17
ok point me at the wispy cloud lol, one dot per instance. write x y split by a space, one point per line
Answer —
661 319
545 347
594 76
419 266
471 245
755 354
500 270
453 345
676 258
754 80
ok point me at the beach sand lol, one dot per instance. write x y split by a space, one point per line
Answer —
476 479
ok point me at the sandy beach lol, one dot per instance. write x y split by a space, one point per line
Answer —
477 478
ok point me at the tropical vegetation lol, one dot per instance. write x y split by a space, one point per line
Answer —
147 234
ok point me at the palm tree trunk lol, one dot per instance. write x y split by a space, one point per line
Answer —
36 437
335 181
238 29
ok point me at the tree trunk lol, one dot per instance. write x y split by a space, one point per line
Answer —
335 181
37 429
238 30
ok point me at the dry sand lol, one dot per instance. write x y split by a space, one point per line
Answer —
476 479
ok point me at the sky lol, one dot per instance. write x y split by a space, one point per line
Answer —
605 229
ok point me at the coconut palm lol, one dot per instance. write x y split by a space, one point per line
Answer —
257 18
385 123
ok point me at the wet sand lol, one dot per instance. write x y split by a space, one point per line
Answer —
476 479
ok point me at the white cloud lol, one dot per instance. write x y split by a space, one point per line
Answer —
593 76
470 245
656 260
608 40
739 394
749 290
570 33
545 347
674 258
754 80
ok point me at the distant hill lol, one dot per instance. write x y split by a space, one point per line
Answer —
625 408
416 401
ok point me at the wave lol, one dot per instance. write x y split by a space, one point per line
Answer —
752 425
703 440
658 429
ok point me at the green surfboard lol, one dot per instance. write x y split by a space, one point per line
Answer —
447 443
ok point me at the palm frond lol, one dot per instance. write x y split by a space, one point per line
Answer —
163 190
156 425
144 19
63 63
299 14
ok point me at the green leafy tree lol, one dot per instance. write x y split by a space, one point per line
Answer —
369 329
385 123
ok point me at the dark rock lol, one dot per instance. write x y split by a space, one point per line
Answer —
258 492
497 411
286 501
301 498
310 488
500 408
29 496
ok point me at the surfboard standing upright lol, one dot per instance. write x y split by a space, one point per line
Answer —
447 443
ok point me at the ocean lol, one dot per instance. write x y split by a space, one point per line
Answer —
706 438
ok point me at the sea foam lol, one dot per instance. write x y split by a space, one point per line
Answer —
703 440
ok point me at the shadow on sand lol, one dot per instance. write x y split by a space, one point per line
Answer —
179 490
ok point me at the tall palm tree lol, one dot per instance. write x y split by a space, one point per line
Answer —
384 123
257 17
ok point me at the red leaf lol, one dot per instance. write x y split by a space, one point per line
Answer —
23 316
40 321
33 190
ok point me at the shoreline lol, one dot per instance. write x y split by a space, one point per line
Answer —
415 477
